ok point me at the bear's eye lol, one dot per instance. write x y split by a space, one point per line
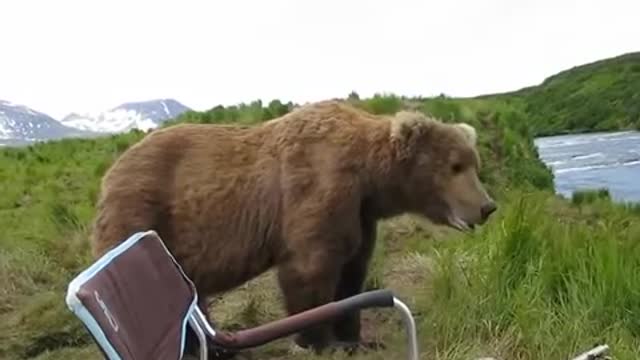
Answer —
456 168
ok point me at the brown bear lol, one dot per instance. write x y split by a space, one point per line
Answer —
301 193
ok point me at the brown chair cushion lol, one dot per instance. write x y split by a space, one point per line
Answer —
135 300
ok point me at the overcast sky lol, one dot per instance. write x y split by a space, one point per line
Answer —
63 56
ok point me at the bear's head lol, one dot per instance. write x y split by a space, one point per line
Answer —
439 164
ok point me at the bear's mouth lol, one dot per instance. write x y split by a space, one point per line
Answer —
457 223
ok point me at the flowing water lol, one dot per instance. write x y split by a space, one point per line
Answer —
598 160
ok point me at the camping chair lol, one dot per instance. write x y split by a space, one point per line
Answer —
136 302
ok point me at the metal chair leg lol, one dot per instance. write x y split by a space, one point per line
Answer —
410 328
195 325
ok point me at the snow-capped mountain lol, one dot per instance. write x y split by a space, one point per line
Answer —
20 124
144 115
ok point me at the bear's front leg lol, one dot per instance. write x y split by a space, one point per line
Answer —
307 281
347 329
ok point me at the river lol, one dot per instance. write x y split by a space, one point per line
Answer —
597 160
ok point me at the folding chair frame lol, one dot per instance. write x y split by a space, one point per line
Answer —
96 316
280 328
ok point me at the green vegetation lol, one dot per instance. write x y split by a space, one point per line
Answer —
542 282
545 279
599 96
590 196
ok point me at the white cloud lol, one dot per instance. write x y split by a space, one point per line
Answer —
62 56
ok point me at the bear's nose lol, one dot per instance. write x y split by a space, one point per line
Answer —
488 209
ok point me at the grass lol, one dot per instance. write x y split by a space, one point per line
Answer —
589 196
546 278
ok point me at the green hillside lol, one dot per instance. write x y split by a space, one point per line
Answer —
545 279
599 96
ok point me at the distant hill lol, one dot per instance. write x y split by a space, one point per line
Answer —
142 115
20 124
598 96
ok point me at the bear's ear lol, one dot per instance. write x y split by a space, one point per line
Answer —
404 124
469 132
407 128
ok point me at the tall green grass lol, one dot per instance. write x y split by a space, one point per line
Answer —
542 281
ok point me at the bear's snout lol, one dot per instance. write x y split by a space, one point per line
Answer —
488 209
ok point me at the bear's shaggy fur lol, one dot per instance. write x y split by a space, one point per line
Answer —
301 193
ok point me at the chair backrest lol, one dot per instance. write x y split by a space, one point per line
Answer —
135 300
